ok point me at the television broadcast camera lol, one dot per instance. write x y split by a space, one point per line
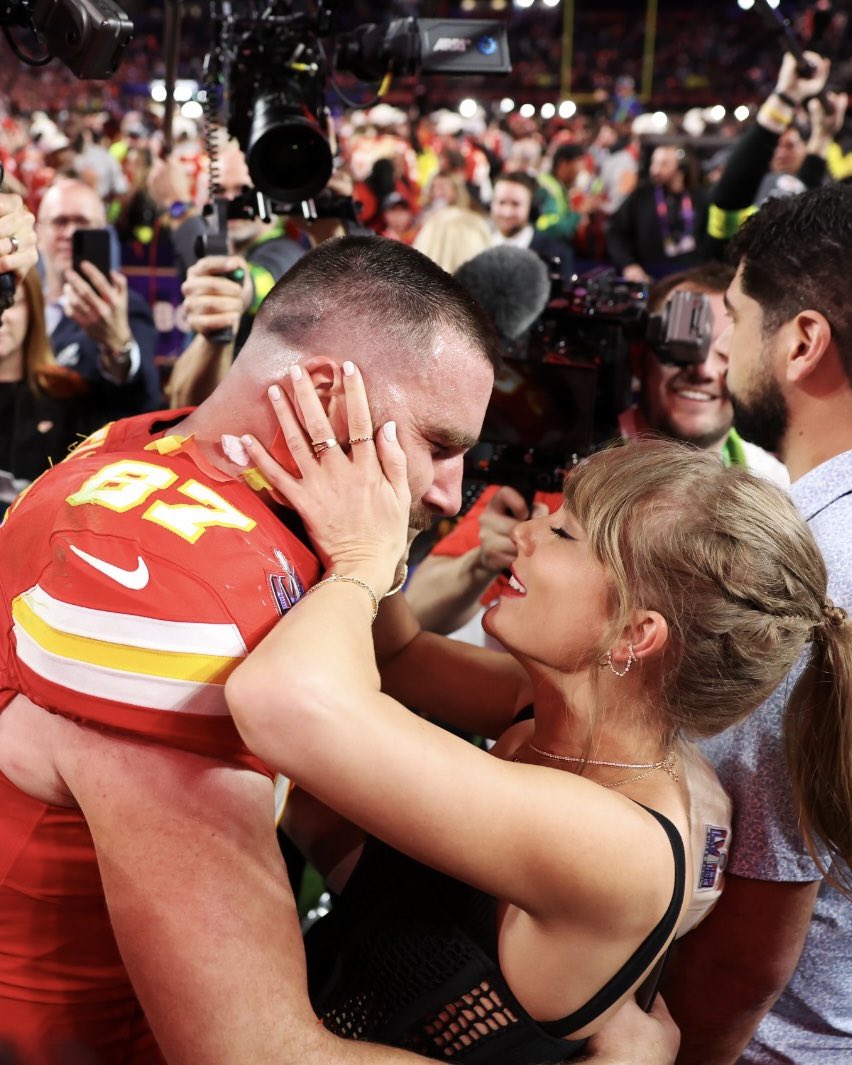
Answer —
272 70
267 75
89 36
565 382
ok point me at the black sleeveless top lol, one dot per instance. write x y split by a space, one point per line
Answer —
408 957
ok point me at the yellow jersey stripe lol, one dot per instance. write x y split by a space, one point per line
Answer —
131 630
176 665
120 686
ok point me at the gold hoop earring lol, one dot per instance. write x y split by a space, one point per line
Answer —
631 658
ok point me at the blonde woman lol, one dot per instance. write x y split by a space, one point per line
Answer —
453 235
507 903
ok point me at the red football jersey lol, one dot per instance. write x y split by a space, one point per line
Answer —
133 580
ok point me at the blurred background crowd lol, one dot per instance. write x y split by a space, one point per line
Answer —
605 146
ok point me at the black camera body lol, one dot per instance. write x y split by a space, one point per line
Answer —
272 70
565 382
89 36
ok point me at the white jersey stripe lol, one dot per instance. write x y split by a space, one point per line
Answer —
119 686
151 634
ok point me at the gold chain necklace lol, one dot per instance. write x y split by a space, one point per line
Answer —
667 763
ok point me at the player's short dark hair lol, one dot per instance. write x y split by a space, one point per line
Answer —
377 284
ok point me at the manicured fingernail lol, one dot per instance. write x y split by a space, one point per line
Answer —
389 429
248 440
349 368
274 393
296 373
234 450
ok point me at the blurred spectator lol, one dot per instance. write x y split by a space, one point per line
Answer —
625 103
144 231
660 227
38 399
97 166
556 215
616 152
387 176
97 327
400 219
752 173
512 212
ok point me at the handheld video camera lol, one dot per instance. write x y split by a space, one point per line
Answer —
563 385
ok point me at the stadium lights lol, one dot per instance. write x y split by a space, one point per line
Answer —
548 110
567 109
523 3
746 5
468 108
507 105
742 113
527 111
192 109
185 89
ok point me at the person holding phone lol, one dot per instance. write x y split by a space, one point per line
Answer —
97 326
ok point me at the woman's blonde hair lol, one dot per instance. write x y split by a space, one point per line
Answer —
728 561
453 235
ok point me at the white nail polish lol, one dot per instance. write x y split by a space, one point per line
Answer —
234 450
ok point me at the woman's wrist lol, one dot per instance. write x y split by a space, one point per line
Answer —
378 576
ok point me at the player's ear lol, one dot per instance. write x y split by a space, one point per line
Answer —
327 378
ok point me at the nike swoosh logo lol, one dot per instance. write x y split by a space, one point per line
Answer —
134 579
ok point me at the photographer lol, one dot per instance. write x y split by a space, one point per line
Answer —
686 403
771 158
224 292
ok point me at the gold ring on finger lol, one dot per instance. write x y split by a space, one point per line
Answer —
323 445
15 245
360 440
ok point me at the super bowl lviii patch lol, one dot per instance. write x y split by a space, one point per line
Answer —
285 587
715 857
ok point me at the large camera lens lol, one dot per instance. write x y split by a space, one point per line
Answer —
288 156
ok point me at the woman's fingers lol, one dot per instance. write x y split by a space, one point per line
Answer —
394 463
357 412
299 447
313 415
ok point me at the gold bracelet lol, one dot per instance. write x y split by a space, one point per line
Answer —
349 580
400 583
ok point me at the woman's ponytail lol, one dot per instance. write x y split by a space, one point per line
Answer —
818 742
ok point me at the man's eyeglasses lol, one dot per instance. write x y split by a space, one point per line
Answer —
68 222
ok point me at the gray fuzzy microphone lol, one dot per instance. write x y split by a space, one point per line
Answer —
512 284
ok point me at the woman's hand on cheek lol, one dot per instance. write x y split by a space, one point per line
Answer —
352 495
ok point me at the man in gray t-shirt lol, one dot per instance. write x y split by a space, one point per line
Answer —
767 977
